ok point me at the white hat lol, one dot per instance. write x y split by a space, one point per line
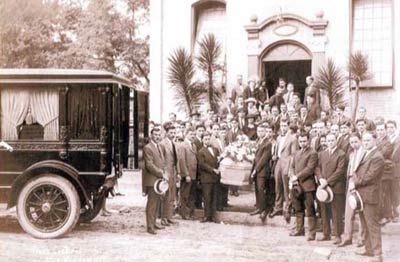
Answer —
161 186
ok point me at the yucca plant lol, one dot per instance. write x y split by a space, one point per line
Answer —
207 60
330 78
187 91
358 68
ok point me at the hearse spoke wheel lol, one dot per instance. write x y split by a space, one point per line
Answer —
48 206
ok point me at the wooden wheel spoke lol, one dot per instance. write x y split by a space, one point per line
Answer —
60 202
61 210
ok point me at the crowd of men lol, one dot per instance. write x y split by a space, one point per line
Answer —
300 149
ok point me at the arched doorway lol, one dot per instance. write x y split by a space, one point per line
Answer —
289 60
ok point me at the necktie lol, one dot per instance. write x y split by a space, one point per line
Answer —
174 152
159 151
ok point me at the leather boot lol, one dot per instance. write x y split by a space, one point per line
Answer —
311 228
299 231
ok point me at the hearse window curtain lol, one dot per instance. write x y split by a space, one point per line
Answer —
43 105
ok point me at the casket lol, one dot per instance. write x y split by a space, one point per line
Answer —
235 173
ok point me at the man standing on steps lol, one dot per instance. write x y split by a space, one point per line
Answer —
302 169
261 170
153 170
367 177
171 169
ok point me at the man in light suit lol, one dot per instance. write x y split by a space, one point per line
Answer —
367 177
286 146
188 167
302 170
331 170
261 170
209 177
169 150
354 161
153 170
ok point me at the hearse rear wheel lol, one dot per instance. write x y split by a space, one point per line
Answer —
48 206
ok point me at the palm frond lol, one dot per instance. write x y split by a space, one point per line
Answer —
330 77
358 67
181 77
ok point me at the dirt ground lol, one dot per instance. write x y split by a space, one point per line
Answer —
122 237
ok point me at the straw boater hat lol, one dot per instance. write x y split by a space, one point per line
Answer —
355 201
161 186
324 194
250 99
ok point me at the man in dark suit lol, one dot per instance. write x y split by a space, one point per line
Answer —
198 141
188 167
367 177
395 187
331 170
172 171
277 98
209 177
386 149
313 108
233 133
344 138
250 90
153 170
302 171
286 146
261 170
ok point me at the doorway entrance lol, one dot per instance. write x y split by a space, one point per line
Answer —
290 60
294 71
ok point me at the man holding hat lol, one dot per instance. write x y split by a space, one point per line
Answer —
330 171
302 172
152 171
367 178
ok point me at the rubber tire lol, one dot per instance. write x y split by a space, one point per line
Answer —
91 214
71 195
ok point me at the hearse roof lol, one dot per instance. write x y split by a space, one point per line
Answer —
50 75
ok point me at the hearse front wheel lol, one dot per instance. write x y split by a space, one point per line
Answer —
48 206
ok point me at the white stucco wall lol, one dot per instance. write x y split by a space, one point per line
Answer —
173 29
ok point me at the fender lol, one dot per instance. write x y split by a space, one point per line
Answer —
70 172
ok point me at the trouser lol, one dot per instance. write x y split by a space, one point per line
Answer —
198 195
333 211
153 201
222 195
210 199
385 203
187 198
395 196
281 186
370 221
349 215
261 197
304 205
168 201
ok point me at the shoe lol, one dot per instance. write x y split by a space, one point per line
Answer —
275 213
345 243
360 244
337 241
213 219
383 221
255 212
311 237
263 216
119 194
164 222
324 238
204 220
105 214
159 227
172 222
297 233
364 253
151 231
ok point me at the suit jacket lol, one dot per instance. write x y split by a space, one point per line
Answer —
368 176
232 136
236 92
263 156
288 150
198 143
332 167
276 100
188 159
262 95
170 158
344 144
247 93
396 157
386 149
217 145
314 112
207 163
303 166
153 165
